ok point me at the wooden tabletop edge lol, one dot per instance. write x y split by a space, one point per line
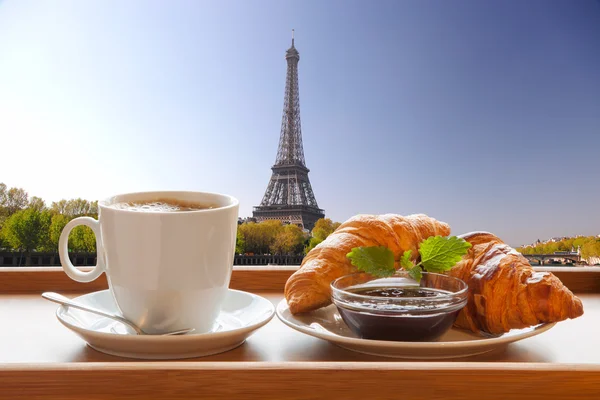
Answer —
275 268
299 366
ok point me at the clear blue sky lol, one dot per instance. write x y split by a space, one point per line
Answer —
483 114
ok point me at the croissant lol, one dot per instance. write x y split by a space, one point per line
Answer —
308 288
505 292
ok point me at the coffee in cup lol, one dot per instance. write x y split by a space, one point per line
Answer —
168 256
161 205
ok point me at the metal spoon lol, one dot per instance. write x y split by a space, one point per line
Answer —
60 299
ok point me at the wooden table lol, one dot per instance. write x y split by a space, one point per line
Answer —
39 358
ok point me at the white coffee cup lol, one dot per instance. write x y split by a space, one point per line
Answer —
166 270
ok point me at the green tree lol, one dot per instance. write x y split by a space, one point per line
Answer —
258 237
3 242
590 248
59 207
22 231
245 235
539 248
525 250
3 211
14 200
44 241
11 201
551 247
75 207
289 240
28 225
240 243
37 203
56 227
82 239
579 242
93 210
323 228
3 194
78 207
596 251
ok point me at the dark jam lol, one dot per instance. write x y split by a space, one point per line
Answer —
400 292
380 321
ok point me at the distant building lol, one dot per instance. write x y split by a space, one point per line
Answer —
246 220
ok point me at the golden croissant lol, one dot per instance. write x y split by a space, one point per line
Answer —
505 292
308 288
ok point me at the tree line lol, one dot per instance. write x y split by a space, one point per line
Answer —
589 246
273 237
28 224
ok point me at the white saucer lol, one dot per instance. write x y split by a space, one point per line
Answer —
326 323
242 313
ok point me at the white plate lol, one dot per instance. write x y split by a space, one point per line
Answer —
326 323
242 313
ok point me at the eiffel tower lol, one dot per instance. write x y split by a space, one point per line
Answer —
289 197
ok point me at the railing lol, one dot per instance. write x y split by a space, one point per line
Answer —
16 259
35 259
267 259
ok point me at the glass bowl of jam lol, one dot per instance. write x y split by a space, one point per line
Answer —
398 307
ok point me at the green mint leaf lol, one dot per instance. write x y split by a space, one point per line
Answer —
439 254
415 273
405 261
374 260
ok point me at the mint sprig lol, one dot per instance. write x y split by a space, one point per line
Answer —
374 260
438 254
414 271
405 261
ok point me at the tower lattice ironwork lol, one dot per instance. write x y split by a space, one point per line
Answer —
289 196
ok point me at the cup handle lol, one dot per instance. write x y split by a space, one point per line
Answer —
63 251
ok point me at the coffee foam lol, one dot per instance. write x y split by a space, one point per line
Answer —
160 206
